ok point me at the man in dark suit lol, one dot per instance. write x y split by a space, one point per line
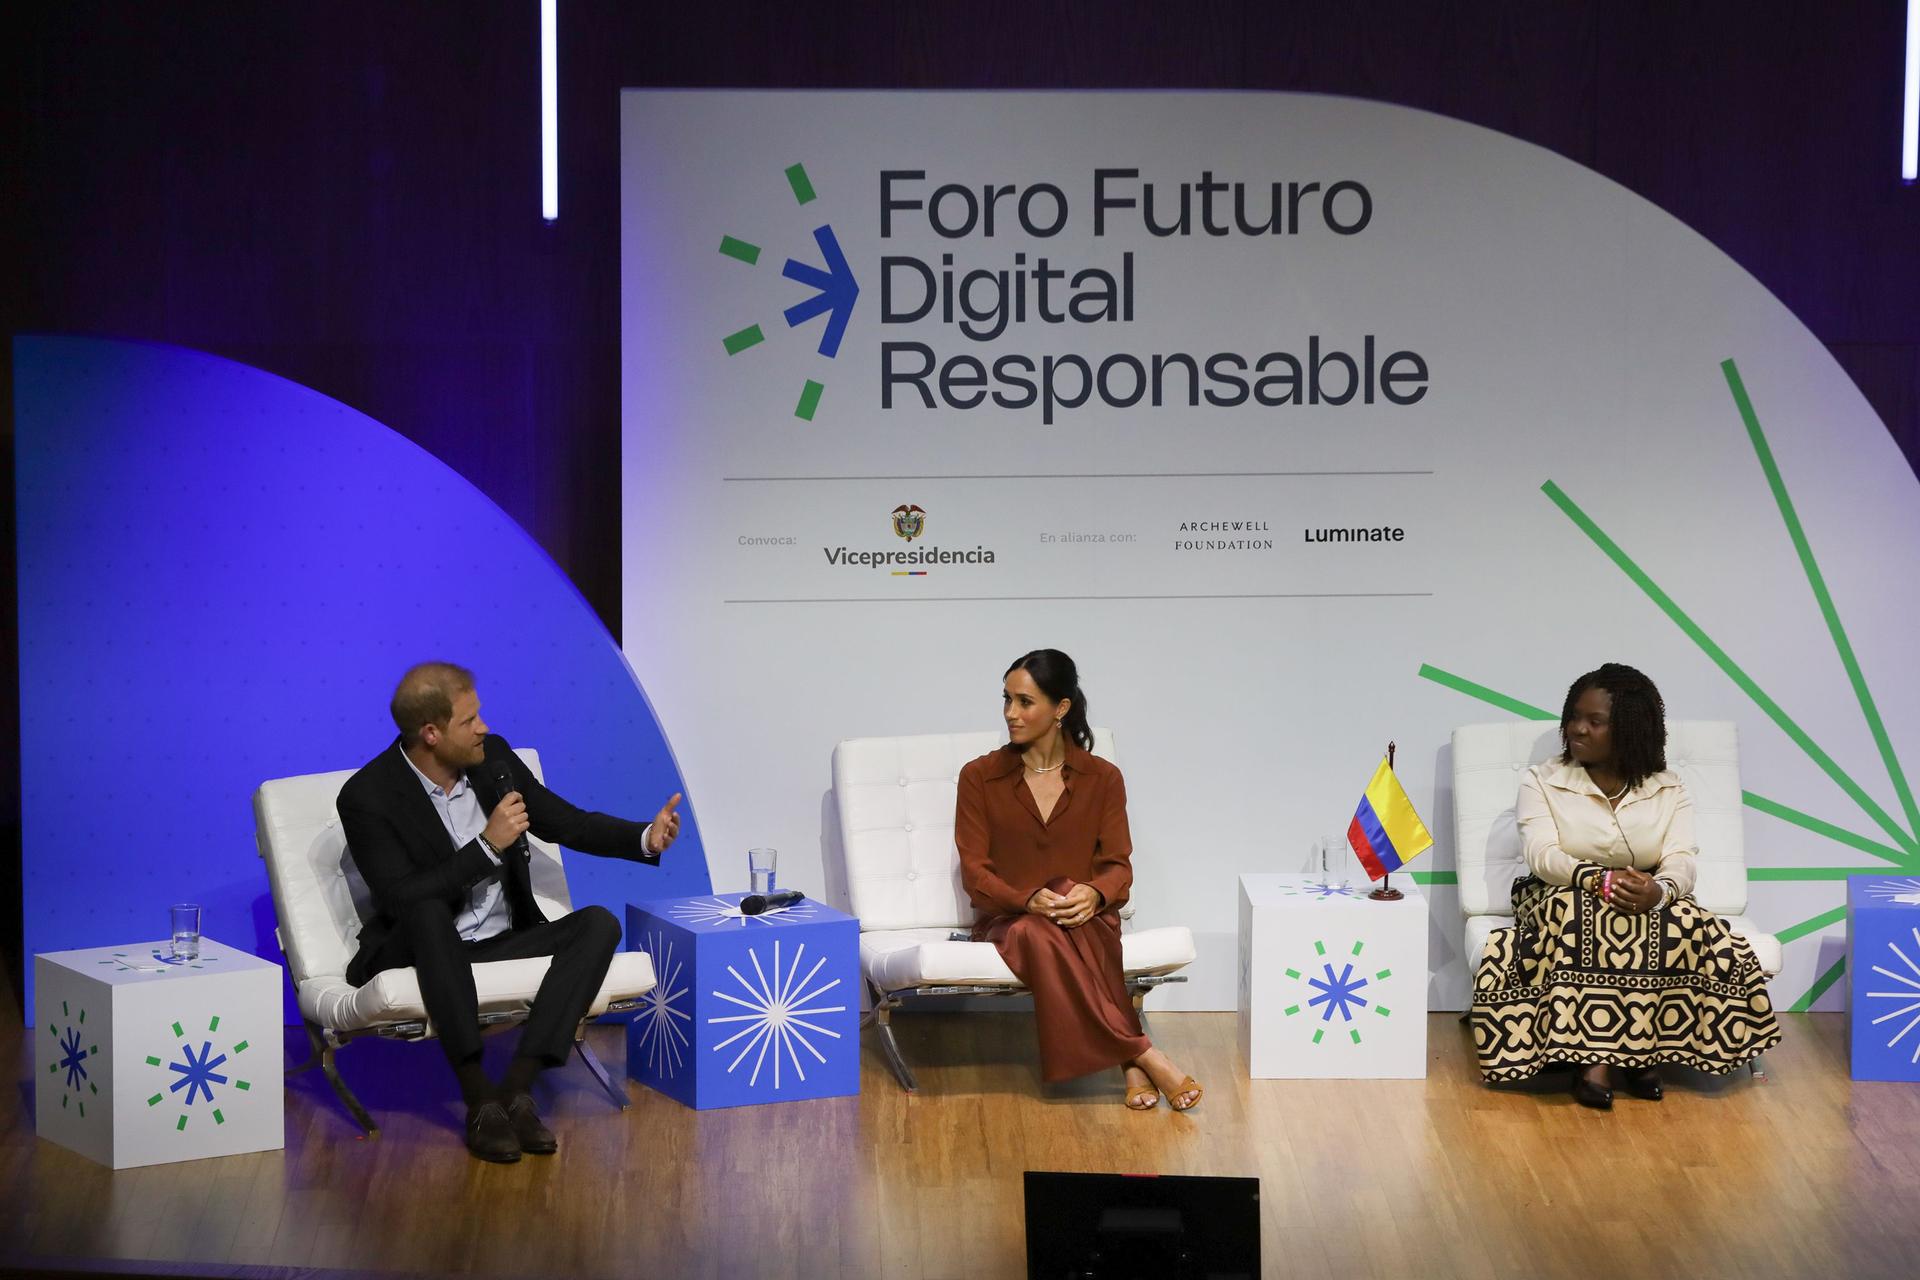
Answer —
436 826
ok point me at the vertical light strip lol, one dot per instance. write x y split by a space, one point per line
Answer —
1910 107
550 110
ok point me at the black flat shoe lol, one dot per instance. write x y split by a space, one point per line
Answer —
1645 1083
534 1138
1599 1097
490 1134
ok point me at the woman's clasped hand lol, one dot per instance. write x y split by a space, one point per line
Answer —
1069 910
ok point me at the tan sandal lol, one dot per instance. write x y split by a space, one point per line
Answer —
1142 1097
1189 1085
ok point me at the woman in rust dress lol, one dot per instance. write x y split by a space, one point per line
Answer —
1041 826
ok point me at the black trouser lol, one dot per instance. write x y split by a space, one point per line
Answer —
581 944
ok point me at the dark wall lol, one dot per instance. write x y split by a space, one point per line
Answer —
347 193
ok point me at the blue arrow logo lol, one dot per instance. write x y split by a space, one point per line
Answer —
837 291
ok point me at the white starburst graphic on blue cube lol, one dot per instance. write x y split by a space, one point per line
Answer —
720 911
1904 892
1907 989
777 1016
661 1031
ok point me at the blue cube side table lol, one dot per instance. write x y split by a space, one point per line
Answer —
1883 976
747 1009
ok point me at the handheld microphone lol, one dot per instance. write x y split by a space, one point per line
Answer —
758 903
503 783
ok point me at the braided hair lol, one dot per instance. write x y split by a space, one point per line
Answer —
1057 677
1638 720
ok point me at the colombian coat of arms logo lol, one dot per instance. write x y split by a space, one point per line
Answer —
909 521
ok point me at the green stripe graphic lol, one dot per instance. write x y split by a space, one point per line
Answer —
1525 710
747 253
1818 582
801 184
1813 925
1727 665
809 401
747 337
1811 873
1774 808
1819 988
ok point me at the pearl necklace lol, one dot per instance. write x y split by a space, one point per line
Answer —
1049 769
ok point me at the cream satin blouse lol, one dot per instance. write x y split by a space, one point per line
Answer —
1564 822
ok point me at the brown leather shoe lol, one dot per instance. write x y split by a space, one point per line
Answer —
534 1138
490 1134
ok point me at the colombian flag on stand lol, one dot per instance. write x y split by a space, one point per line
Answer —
1386 833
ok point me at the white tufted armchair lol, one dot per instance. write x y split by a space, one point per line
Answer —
1488 760
322 902
895 801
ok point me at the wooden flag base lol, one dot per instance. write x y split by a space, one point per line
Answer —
1386 892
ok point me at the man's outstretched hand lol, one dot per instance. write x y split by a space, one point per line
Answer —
666 826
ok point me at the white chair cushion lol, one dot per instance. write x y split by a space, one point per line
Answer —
895 798
895 959
504 986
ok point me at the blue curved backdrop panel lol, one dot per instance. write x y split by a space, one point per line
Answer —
222 575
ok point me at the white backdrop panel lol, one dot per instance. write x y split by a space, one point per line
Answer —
1570 332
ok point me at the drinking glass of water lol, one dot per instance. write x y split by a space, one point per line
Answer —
186 930
760 865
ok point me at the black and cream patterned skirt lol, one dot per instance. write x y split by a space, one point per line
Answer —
1576 981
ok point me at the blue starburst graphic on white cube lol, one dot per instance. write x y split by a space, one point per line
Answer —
71 1058
1339 993
777 1021
197 1073
662 1031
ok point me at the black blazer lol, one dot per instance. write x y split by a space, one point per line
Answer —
396 839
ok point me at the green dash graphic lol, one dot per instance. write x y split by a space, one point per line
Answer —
801 184
747 337
747 253
809 401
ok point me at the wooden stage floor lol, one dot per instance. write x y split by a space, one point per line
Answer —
1806 1175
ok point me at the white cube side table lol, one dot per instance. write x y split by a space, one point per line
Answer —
139 1059
1333 984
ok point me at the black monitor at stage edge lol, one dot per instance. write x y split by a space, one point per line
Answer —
1106 1226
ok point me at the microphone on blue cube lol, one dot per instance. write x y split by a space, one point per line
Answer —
759 903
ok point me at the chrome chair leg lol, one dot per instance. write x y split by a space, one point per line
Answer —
323 1051
1140 1007
618 1094
1757 1068
882 1016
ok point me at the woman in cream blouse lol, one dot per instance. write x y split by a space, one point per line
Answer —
1611 963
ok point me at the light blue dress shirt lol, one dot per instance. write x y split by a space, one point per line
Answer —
486 913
